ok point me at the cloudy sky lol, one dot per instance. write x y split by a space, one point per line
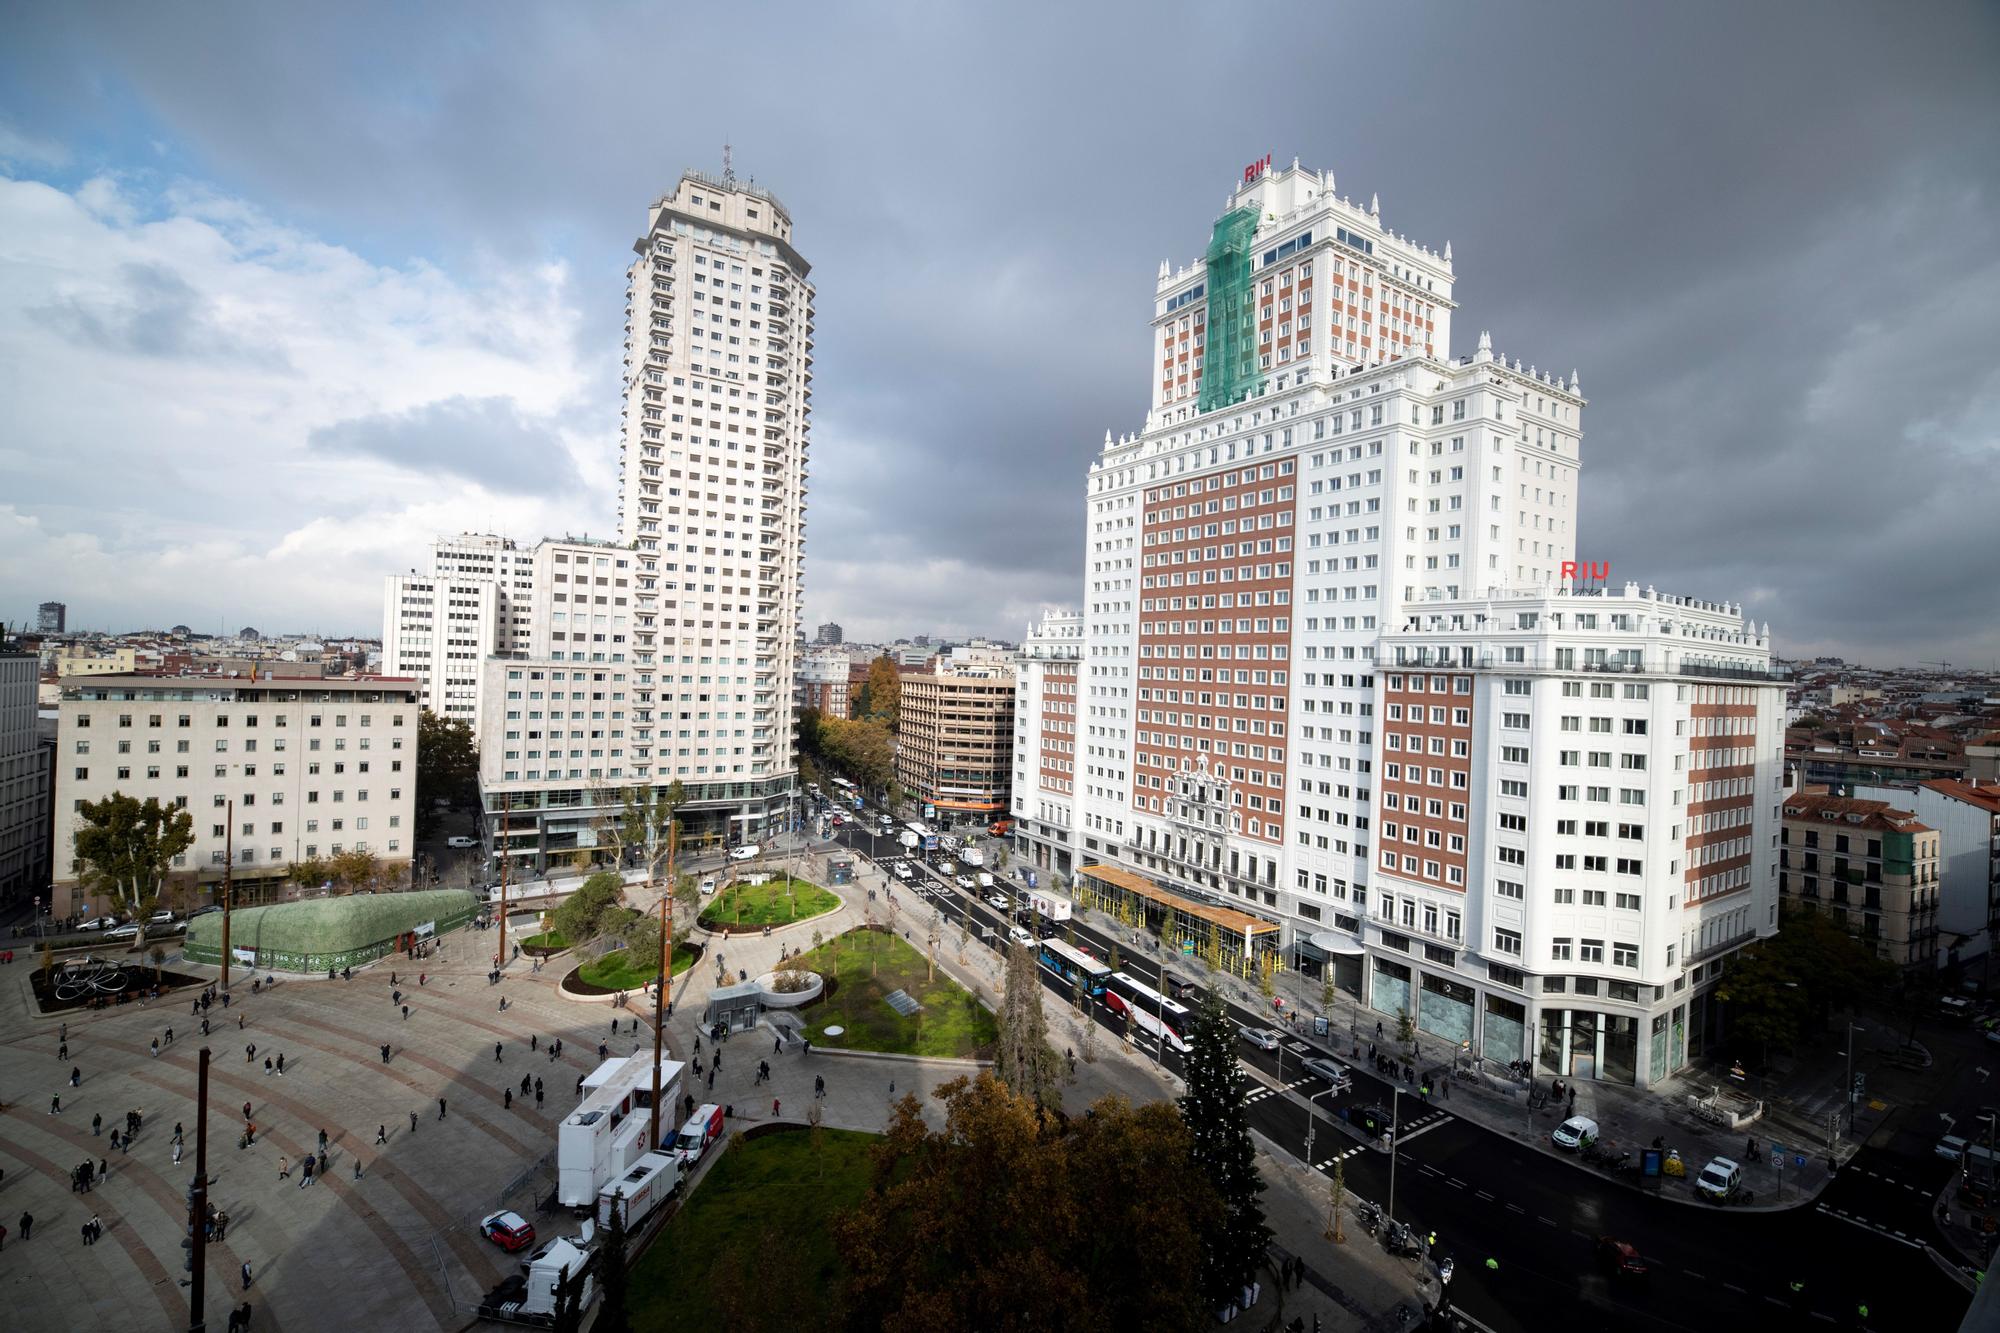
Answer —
286 290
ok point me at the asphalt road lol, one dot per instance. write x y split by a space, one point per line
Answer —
1538 1217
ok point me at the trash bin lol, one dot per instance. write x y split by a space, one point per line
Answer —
1319 1025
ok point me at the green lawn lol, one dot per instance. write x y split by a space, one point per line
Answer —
778 902
612 972
752 1247
552 939
870 964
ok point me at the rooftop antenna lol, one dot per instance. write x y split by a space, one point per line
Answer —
728 165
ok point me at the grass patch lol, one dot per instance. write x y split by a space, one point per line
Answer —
614 972
753 1247
778 902
865 966
552 940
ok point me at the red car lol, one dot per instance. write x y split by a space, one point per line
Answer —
1619 1258
509 1230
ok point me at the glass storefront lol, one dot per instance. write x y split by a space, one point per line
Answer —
1445 1009
1618 1061
1504 1038
1584 1044
1390 989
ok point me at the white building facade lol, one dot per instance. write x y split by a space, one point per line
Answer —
437 627
313 768
1045 706
1315 467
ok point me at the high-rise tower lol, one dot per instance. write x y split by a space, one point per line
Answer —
718 376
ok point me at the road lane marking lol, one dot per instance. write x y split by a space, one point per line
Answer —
1699 1277
1484 1195
1516 1208
1731 1286
1547 1222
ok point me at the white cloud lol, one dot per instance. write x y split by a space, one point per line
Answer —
167 355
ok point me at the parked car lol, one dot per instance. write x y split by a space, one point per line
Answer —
946 866
1332 1071
508 1229
1264 1039
459 840
204 911
98 923
1720 1179
708 885
1620 1258
747 852
1579 1131
128 931
161 918
994 899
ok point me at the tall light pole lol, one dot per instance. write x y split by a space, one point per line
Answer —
197 1199
1395 1120
666 975
228 868
1851 1030
506 809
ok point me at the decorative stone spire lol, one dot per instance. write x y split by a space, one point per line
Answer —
1447 252
1166 269
1375 205
1572 380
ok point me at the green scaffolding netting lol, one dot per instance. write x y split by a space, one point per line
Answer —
1228 371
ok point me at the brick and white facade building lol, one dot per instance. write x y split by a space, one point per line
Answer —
1258 555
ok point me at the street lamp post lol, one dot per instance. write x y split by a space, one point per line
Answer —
1395 1119
1851 1030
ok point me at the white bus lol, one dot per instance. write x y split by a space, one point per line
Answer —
1169 1020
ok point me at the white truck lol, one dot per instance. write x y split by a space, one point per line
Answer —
972 856
598 1141
1048 905
529 1297
653 1179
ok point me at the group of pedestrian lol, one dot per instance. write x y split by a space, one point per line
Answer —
1291 1272
93 1230
85 1174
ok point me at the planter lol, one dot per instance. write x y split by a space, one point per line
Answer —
777 999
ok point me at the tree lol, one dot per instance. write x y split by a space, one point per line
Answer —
568 1314
582 916
612 1278
128 847
447 766
1406 1030
1336 1191
1008 1217
882 695
354 867
1024 1060
1326 990
1778 988
1220 1148
311 872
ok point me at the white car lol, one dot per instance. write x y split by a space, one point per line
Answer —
97 923
461 841
748 851
128 931
903 871
964 882
161 918
1019 934
708 885
1719 1179
1579 1131
1264 1039
995 900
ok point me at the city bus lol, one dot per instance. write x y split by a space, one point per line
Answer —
1169 1020
844 787
1073 966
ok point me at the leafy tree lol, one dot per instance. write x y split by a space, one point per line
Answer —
1221 1150
354 867
882 696
1406 1030
1008 1217
1024 1060
582 915
613 1316
862 749
128 847
568 1314
312 871
1326 988
447 766
1780 988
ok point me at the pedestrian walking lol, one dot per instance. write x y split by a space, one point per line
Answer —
322 1141
385 1052
533 1038
246 1110
156 1048
496 1053
267 1066
250 1053
507 1099
55 1104
413 1122
440 1108
96 1125
284 1167
538 1096
281 1064
170 1036
357 1168
381 1133
406 1013
777 1045
27 1225
306 1172
246 1275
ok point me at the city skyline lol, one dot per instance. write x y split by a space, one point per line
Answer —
349 372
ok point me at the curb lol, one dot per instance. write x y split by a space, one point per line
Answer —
948 1061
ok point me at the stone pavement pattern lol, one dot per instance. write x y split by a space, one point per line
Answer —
399 1248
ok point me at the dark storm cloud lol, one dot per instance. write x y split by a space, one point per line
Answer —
484 441
1761 233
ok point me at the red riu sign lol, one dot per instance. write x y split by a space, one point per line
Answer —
1256 169
1589 570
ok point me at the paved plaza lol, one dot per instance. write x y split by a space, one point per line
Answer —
398 1248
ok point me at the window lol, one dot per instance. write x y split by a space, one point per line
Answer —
1560 950
1507 942
1592 951
1625 955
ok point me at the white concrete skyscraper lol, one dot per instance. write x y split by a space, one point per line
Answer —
718 375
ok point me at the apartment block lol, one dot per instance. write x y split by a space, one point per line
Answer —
437 630
1966 815
1045 741
302 769
954 749
26 783
1333 540
824 682
1871 866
